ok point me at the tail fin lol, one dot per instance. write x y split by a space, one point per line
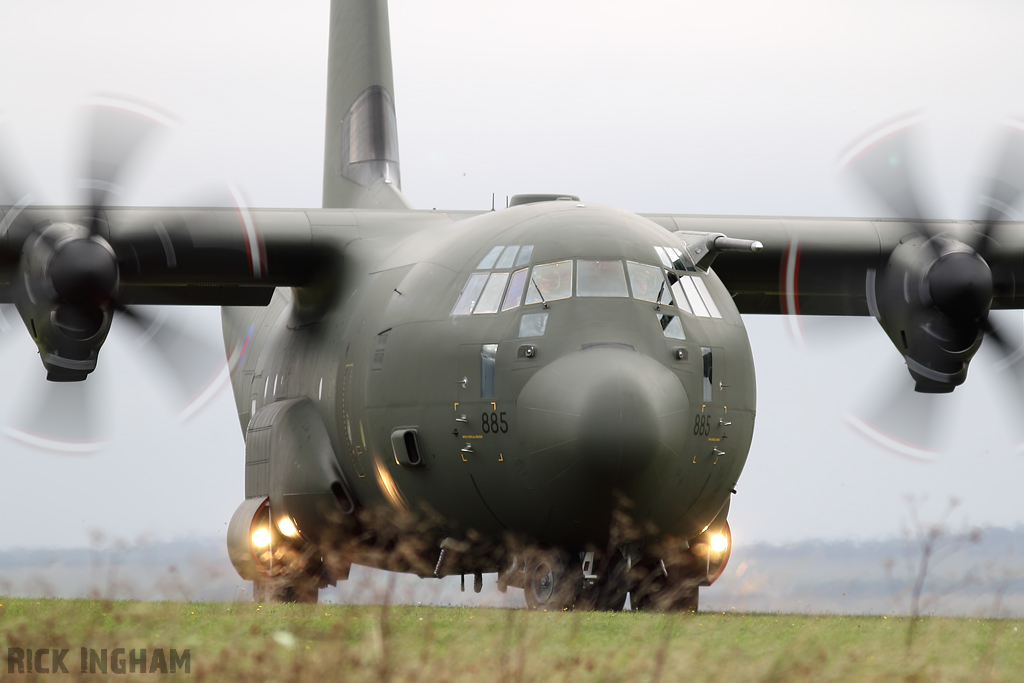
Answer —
361 141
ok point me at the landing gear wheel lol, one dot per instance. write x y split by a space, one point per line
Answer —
609 590
550 584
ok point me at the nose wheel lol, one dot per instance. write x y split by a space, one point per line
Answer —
554 582
607 593
550 583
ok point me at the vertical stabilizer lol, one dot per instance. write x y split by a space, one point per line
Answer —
361 142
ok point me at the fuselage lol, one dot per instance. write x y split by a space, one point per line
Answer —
560 363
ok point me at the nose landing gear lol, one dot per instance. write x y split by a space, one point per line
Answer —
607 591
555 580
551 582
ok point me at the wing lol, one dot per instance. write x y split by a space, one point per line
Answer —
829 266
68 270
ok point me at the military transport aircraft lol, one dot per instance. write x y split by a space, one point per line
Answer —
560 391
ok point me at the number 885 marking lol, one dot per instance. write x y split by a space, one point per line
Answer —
702 425
492 423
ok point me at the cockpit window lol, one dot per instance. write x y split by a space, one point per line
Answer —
705 295
600 278
470 294
491 297
705 353
549 282
680 260
686 292
492 256
524 255
677 292
488 354
533 325
674 259
699 309
503 256
515 290
647 281
671 326
665 260
507 257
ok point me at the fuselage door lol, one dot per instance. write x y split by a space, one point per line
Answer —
475 400
482 423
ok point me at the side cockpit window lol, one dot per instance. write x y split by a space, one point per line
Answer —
490 299
670 326
492 256
686 292
503 256
679 301
533 325
705 295
508 255
674 259
515 290
699 308
470 294
486 292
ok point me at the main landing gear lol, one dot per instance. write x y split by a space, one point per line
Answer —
272 554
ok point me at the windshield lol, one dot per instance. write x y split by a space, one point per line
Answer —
647 281
600 278
549 282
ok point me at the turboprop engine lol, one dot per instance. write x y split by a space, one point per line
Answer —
65 292
934 295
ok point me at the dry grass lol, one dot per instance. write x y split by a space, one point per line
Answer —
250 642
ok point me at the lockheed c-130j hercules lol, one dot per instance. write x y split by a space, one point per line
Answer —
560 391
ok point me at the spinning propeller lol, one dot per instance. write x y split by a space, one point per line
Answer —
67 283
934 296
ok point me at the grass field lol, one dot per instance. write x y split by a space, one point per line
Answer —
250 642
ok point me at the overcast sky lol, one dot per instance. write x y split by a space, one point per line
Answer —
730 107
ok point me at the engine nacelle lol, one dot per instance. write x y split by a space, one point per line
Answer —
65 291
932 299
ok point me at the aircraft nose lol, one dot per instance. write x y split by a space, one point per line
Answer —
600 414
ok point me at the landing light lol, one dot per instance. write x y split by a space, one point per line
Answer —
719 543
261 538
287 527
